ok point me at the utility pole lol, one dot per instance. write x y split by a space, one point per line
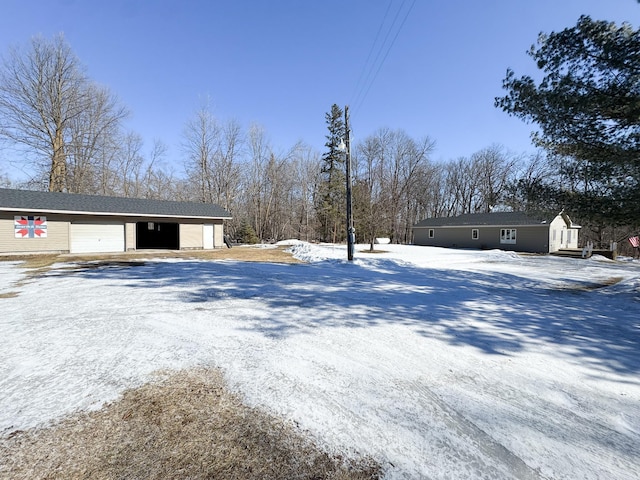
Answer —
351 233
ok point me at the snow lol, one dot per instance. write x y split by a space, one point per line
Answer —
439 363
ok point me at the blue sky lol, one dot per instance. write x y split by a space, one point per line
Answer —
283 63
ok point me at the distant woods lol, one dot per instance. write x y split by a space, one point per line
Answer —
66 132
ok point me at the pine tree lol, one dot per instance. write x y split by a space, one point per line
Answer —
246 234
331 193
587 108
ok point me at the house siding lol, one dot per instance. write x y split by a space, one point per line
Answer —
533 239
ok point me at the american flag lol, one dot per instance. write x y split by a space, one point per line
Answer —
634 241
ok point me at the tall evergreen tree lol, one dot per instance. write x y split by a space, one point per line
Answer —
587 106
331 192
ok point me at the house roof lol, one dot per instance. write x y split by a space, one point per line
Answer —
72 203
489 219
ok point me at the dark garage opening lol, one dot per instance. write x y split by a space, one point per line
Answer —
156 235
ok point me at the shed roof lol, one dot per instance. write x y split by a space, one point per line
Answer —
72 203
488 219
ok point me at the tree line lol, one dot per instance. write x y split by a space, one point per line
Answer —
69 133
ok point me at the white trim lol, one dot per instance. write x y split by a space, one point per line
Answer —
508 238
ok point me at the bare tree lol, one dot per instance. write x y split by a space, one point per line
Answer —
200 140
278 188
224 171
369 197
494 168
130 164
158 182
387 168
45 96
305 168
254 179
97 127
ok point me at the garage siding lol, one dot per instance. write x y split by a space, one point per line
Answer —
218 235
190 236
129 236
57 239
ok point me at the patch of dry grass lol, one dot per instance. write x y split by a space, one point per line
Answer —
590 286
186 426
250 254
241 253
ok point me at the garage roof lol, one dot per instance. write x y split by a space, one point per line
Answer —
72 203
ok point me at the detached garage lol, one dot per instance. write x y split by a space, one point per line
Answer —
42 222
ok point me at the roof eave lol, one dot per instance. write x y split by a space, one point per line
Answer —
112 214
500 225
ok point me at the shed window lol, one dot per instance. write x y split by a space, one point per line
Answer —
431 233
150 226
474 234
507 235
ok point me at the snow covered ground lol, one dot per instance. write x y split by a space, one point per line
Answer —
439 363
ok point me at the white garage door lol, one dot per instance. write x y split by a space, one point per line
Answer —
97 237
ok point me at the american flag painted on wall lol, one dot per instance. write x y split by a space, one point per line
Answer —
30 227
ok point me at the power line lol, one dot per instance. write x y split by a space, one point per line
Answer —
368 69
375 41
370 80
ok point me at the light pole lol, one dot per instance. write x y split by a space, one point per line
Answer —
351 233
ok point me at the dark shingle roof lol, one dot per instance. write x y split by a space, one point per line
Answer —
487 219
52 202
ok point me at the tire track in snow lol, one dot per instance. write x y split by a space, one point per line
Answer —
514 466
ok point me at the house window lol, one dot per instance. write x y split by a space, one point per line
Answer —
474 234
431 233
150 225
507 235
